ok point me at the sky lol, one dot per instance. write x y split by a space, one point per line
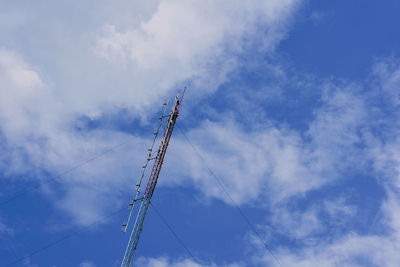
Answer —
292 105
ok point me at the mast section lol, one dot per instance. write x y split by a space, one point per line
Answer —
151 184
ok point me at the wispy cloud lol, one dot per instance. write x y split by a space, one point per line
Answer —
166 262
87 264
352 136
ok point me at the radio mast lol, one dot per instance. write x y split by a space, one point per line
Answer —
145 199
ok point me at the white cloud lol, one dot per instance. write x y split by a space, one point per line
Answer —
297 224
387 72
38 138
20 86
87 264
45 94
268 162
317 17
351 250
336 131
351 137
27 262
166 262
348 249
272 161
193 40
4 229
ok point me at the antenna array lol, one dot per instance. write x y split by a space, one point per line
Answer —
145 199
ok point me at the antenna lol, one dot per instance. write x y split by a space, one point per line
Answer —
144 167
152 181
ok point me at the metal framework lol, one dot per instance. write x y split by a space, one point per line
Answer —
152 182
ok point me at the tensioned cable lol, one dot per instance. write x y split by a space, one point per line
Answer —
221 185
54 178
174 234
56 242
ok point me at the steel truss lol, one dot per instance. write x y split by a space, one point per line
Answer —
152 182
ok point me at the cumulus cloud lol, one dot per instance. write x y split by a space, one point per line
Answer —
193 40
192 33
39 139
21 86
113 63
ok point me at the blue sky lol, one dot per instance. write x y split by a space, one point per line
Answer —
294 105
